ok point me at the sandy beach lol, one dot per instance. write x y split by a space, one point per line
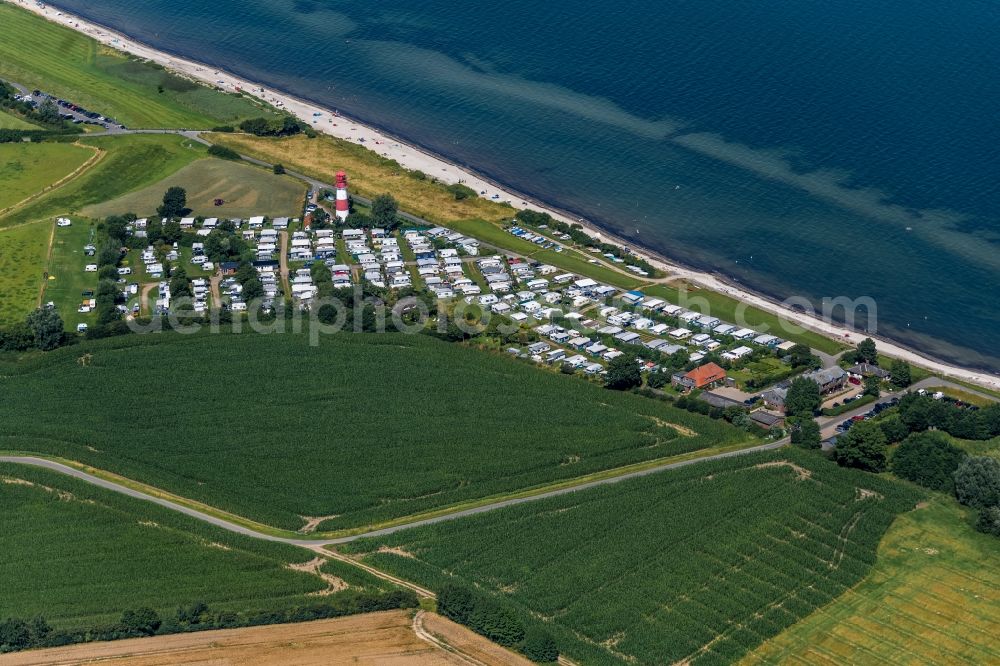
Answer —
326 121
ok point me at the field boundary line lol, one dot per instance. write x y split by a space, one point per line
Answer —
252 528
44 284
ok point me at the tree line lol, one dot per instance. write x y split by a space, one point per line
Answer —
22 634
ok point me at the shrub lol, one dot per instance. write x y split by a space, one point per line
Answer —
223 153
929 460
989 520
863 447
539 646
977 482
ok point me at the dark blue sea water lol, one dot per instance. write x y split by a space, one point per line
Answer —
807 147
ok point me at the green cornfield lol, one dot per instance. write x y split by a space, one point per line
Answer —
362 428
696 565
80 555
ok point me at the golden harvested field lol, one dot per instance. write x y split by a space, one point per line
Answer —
245 190
932 598
375 638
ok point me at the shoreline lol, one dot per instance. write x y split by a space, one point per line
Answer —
414 157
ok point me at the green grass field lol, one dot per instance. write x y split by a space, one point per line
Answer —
75 67
128 163
696 565
23 253
246 190
80 555
366 427
66 277
27 168
933 597
11 121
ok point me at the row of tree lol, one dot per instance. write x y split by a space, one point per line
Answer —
22 634
41 329
489 618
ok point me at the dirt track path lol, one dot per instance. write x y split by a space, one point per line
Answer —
464 645
144 297
283 264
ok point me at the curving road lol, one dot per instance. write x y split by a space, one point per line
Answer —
313 543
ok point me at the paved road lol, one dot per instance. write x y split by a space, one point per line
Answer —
312 543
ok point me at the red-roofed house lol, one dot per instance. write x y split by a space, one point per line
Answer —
703 376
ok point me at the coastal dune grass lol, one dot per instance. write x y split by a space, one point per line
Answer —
363 427
41 54
245 190
23 253
369 174
80 555
695 565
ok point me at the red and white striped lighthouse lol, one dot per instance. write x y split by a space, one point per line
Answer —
343 205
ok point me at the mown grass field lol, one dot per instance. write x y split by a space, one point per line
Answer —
67 279
695 565
933 597
127 163
246 190
23 252
79 556
27 168
366 427
75 67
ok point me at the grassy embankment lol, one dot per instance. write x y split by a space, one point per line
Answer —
246 190
11 121
37 53
372 428
372 174
695 565
932 597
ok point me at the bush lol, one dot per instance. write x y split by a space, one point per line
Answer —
989 520
894 429
623 373
539 646
223 153
928 459
461 191
977 482
863 447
